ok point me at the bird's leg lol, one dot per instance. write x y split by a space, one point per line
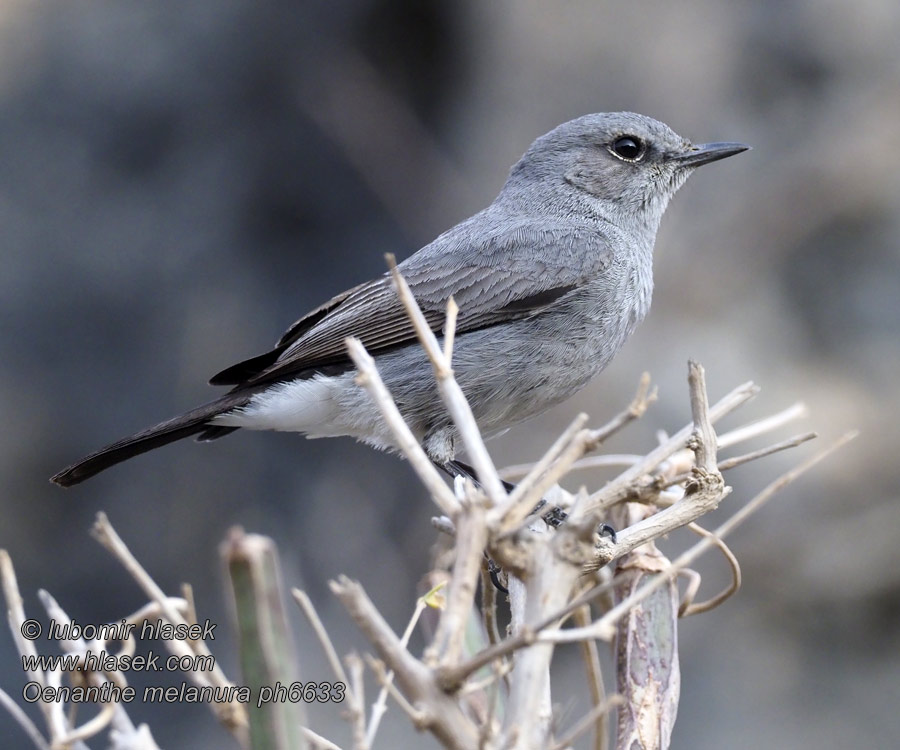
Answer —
553 517
455 469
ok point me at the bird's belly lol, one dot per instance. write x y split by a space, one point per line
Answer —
512 375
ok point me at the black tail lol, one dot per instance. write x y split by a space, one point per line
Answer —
185 425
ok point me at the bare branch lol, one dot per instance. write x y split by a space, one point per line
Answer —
358 685
22 719
370 379
54 717
419 719
514 510
687 607
380 705
762 426
730 463
602 628
471 540
636 409
231 714
594 716
705 436
489 604
445 719
317 741
590 655
588 462
450 391
450 328
618 489
308 609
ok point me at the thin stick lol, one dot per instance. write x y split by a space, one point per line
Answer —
761 426
104 532
591 657
54 716
450 391
370 379
308 609
588 462
354 702
318 741
730 463
90 728
231 714
471 539
588 720
23 720
378 669
603 628
705 450
380 705
636 409
355 665
527 484
489 604
498 672
687 607
450 328
187 591
617 490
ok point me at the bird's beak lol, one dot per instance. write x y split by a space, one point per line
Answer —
707 152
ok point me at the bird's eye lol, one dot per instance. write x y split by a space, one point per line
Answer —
628 147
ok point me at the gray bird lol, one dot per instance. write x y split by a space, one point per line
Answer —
550 279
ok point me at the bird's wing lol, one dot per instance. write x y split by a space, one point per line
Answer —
506 274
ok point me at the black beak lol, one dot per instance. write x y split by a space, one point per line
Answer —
707 152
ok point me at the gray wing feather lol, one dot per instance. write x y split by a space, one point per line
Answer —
495 277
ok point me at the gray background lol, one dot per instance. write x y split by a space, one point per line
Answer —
180 180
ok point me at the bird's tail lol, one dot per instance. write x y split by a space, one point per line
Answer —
193 422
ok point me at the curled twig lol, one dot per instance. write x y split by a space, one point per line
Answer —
687 607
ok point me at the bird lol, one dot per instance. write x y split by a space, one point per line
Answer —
550 280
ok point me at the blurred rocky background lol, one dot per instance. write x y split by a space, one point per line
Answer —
180 180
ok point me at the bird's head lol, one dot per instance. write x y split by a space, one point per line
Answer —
628 164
